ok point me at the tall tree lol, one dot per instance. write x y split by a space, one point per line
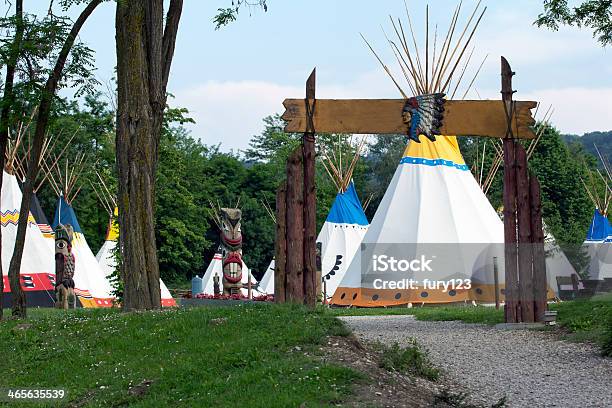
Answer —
7 103
145 49
595 14
42 120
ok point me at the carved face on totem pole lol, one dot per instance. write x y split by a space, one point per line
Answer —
64 266
231 245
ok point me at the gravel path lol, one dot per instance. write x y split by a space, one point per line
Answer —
529 367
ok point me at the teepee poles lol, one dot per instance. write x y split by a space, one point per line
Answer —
430 70
341 176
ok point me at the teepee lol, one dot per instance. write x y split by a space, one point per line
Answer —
266 284
37 275
346 223
106 255
598 242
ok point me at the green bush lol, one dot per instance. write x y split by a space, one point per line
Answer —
410 360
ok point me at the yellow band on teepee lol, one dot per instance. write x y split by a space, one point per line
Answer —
443 152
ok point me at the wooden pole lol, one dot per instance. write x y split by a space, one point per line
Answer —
295 228
525 253
496 281
539 256
280 255
510 237
249 288
310 210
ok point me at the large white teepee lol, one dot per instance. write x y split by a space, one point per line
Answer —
108 263
216 268
38 264
432 199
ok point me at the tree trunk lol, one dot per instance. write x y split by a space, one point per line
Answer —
144 54
7 104
44 109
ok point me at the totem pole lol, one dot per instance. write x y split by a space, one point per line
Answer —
231 250
64 268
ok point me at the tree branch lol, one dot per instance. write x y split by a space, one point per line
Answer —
170 32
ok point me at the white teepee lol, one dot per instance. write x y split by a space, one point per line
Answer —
346 223
433 203
38 262
266 284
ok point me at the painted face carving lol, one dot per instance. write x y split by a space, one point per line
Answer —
231 242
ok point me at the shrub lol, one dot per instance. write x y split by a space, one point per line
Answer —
410 360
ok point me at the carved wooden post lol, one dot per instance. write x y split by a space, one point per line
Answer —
539 255
510 237
280 256
310 216
295 228
525 254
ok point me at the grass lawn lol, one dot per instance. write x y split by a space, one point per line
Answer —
584 320
256 356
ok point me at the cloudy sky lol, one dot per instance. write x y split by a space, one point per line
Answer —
230 79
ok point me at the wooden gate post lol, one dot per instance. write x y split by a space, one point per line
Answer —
510 236
310 211
539 256
525 253
295 228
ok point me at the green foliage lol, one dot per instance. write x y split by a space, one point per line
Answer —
270 353
587 319
594 14
43 39
410 360
588 141
230 14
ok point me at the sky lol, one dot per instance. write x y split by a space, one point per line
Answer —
230 79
